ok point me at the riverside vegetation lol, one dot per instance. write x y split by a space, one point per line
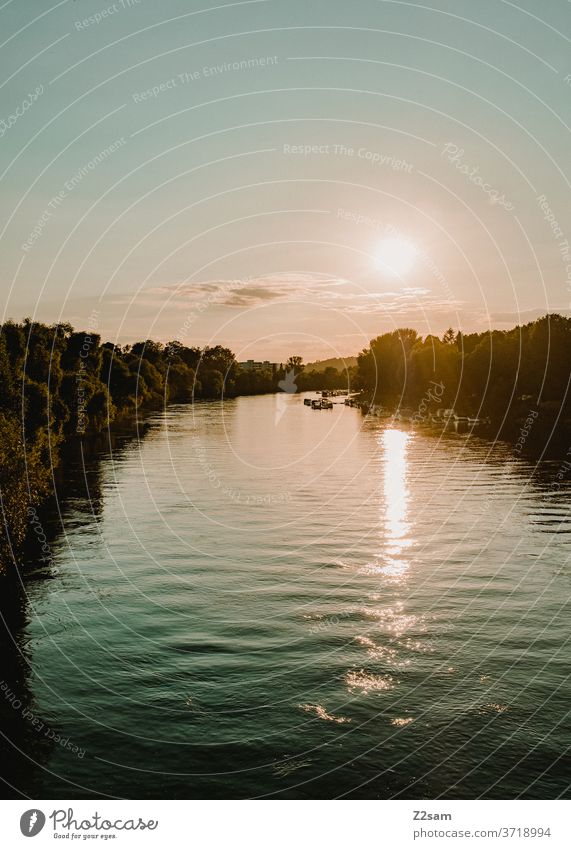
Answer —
510 377
58 385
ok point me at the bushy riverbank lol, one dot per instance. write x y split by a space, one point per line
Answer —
58 385
514 382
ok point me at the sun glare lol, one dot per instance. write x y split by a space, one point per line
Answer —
395 256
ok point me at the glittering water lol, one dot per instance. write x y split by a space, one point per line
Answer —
258 599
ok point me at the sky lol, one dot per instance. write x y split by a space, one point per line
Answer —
284 177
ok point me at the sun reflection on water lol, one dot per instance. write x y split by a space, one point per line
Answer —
393 624
396 495
363 682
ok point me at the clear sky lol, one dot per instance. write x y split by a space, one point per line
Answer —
284 176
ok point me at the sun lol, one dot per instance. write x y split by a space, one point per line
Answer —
395 256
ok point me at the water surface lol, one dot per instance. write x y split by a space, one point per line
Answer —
257 599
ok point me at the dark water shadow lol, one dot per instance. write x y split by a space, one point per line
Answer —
27 740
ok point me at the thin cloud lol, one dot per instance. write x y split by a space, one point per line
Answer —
251 291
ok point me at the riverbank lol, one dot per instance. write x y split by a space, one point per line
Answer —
541 431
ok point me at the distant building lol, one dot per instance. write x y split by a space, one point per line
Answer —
254 365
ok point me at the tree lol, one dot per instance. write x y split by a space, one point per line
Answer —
212 383
148 350
217 361
181 382
294 364
434 365
382 368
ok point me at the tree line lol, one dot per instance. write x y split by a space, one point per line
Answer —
499 374
57 383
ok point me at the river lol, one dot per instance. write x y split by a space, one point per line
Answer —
256 599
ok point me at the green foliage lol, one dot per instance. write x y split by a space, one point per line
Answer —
25 478
481 372
212 382
329 378
383 367
181 382
56 383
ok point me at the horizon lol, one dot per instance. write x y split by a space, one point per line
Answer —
306 359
